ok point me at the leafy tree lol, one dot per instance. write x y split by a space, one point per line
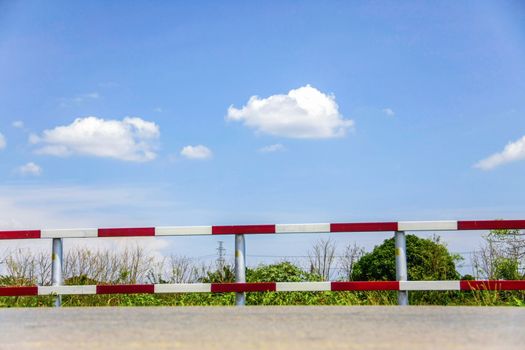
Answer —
427 259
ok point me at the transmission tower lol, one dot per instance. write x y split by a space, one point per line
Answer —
221 261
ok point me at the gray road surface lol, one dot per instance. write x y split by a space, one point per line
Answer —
334 327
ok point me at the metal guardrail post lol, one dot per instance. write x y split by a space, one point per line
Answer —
240 267
401 266
56 267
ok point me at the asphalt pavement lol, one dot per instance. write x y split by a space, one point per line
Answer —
295 327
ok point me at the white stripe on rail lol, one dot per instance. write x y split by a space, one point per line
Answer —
182 230
429 285
68 290
302 286
183 288
69 233
448 225
302 228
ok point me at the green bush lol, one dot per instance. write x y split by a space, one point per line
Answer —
281 272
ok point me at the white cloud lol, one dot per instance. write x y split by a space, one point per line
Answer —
272 148
3 142
30 169
34 139
302 113
17 124
389 112
88 96
67 102
132 139
67 206
512 152
196 152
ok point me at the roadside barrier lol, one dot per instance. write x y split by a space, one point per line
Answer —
240 287
164 288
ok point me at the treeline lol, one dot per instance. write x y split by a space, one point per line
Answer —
501 257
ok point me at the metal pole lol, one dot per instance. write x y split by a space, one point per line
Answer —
240 267
56 267
401 266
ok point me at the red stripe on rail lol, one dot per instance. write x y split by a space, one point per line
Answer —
491 225
18 291
242 229
364 227
243 287
492 285
360 285
20 234
126 289
126 232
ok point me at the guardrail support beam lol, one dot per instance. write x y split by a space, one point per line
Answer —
56 267
401 265
240 267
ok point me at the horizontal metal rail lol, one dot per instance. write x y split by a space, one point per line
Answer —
447 225
458 285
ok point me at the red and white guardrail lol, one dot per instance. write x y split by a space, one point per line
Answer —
446 225
402 286
463 285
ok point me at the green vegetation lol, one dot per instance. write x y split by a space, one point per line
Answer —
428 259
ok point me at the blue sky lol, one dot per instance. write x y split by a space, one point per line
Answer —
424 99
